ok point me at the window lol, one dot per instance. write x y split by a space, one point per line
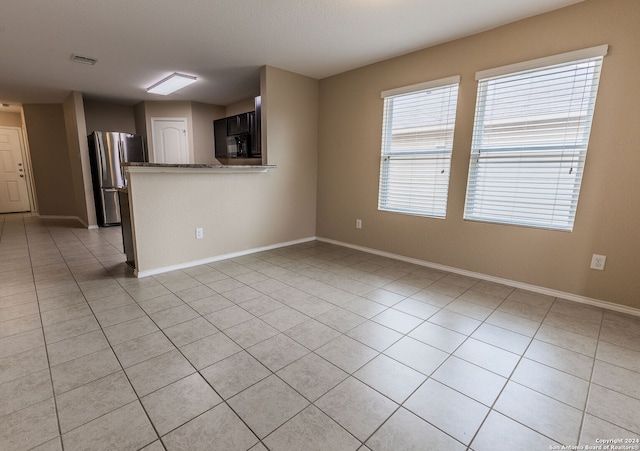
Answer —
530 140
417 139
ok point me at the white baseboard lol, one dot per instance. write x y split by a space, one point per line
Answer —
204 261
512 283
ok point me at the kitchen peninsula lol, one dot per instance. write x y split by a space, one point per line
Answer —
168 202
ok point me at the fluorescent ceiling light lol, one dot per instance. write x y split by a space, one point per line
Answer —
171 84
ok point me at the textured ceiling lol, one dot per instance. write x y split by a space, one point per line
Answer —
222 42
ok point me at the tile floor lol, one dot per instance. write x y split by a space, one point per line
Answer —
312 346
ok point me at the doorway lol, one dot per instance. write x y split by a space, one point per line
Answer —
14 190
170 140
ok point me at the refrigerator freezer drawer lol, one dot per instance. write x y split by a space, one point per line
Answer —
110 207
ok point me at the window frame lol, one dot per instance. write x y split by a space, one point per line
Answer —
409 160
530 157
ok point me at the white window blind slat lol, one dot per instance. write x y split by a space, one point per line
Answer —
530 140
417 140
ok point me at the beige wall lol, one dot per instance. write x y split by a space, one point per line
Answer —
608 217
10 119
50 163
109 117
203 117
238 211
79 159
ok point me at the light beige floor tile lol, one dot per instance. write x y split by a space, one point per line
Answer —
416 308
391 378
560 358
384 297
29 427
438 336
502 338
251 332
513 323
235 373
594 430
142 348
551 382
129 330
85 369
406 431
179 402
19 325
619 356
357 407
158 372
566 339
433 298
24 392
471 380
455 321
500 433
261 305
72 328
283 318
159 303
111 302
67 300
277 352
417 355
599 405
125 428
312 334
588 328
450 411
621 330
92 400
346 353
541 413
228 317
312 376
174 315
340 319
398 321
22 364
190 331
209 350
120 314
210 304
311 430
21 342
488 357
374 335
219 425
278 403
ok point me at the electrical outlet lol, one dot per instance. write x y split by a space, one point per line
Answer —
199 233
597 262
358 223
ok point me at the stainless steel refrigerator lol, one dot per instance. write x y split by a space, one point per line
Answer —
107 150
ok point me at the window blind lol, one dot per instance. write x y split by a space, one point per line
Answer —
417 138
530 140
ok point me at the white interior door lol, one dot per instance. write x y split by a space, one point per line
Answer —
14 195
170 142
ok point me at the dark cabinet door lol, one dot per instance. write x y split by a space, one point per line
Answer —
238 124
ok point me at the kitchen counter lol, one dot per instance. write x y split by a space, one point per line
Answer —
133 167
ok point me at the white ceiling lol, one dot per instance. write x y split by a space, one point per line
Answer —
222 42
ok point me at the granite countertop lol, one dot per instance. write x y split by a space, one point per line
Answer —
193 168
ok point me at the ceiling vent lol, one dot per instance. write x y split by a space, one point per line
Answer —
83 59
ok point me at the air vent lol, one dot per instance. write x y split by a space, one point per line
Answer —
83 59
